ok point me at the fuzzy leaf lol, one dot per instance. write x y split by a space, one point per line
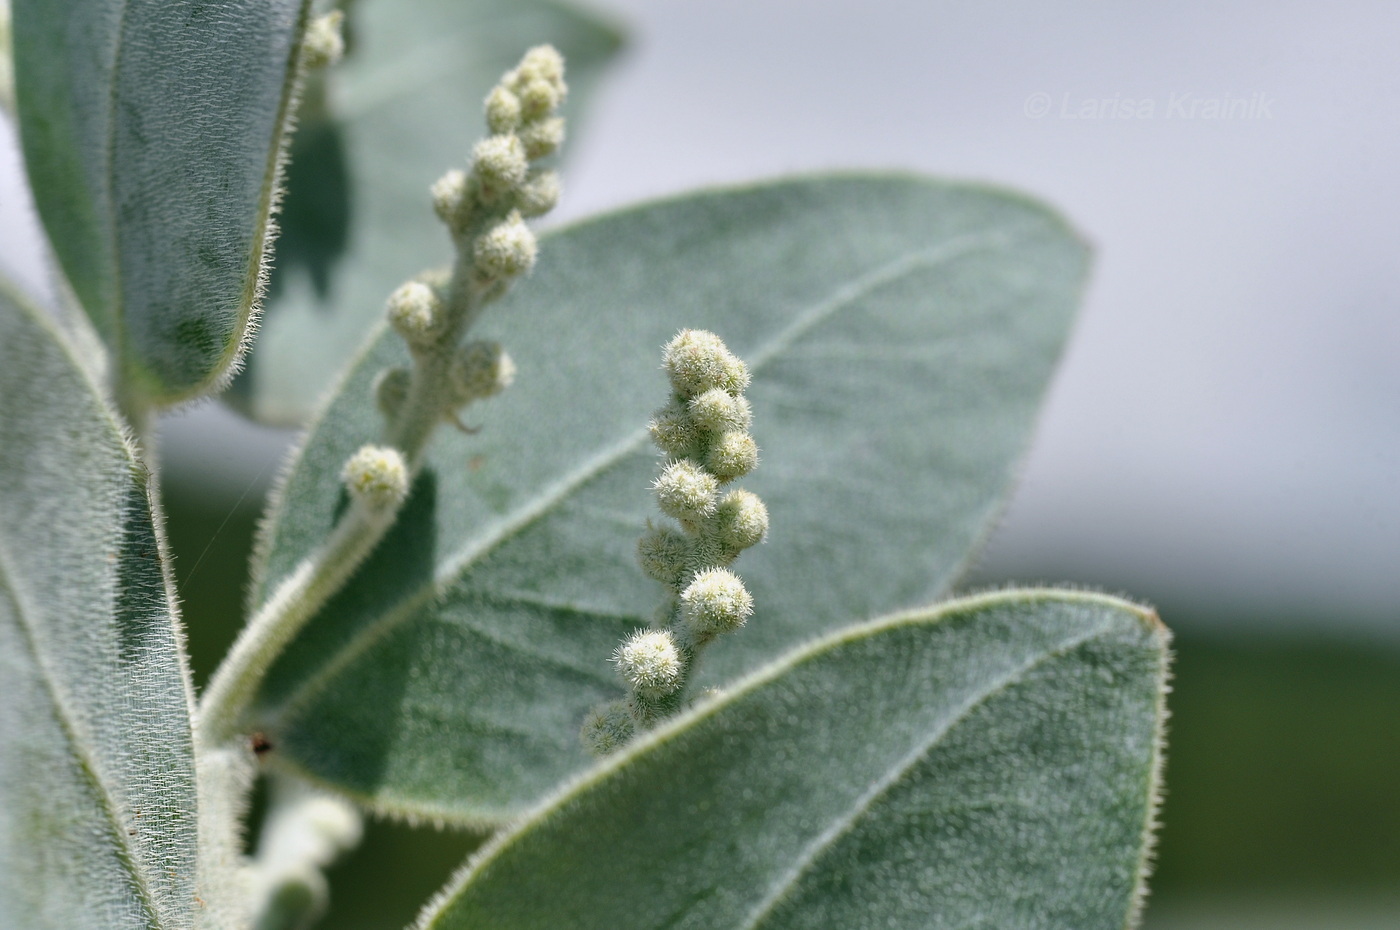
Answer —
151 134
900 331
404 107
991 763
97 787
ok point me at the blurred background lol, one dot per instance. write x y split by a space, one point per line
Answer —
1223 439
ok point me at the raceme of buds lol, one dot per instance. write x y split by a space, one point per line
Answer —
703 429
485 208
377 477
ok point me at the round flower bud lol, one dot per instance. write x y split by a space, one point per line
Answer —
716 601
377 477
322 45
741 519
673 431
650 663
480 369
697 361
686 491
542 137
607 727
662 552
538 195
541 63
415 312
732 455
499 162
451 200
721 411
506 251
502 111
391 390
538 97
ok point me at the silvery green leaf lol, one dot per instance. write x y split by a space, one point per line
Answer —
151 134
97 785
402 108
991 763
900 331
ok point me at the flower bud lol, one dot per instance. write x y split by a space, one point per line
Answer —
323 45
673 430
415 312
502 111
538 195
538 98
391 390
506 251
721 411
697 361
541 63
377 477
650 663
542 137
452 200
607 727
741 519
686 491
662 553
480 369
499 163
716 601
732 455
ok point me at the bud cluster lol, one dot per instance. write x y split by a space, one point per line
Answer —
703 430
484 208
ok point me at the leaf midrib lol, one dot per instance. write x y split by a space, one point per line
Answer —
842 825
509 527
127 854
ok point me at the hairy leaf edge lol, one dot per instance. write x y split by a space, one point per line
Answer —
143 484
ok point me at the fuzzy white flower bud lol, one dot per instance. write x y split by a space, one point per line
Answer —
323 45
377 477
539 194
715 601
451 199
391 390
741 519
541 63
650 663
502 111
721 411
686 491
673 430
732 455
538 98
499 163
508 250
607 727
480 369
697 361
662 552
542 138
415 312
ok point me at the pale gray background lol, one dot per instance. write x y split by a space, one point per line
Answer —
1226 428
